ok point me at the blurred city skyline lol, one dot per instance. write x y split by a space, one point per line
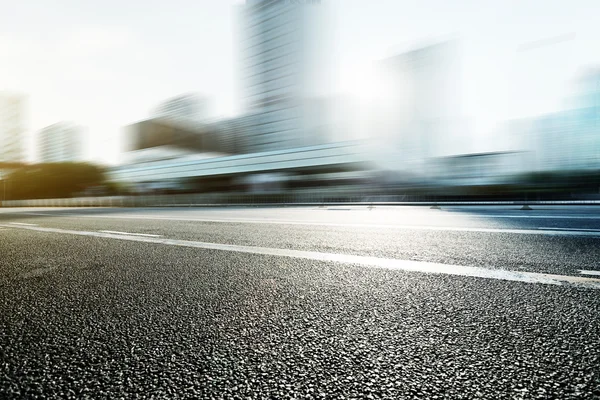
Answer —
107 65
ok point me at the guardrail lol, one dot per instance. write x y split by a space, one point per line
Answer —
286 199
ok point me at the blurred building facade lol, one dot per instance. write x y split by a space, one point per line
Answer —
417 106
160 139
338 159
282 67
568 139
61 142
186 108
12 127
232 135
477 169
587 119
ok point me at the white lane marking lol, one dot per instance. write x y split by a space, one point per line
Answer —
22 223
388 263
131 233
587 272
551 231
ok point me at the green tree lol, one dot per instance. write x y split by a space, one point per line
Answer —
53 180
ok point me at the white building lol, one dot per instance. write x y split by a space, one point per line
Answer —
186 108
418 104
61 142
283 69
12 127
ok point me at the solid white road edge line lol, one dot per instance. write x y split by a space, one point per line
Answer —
405 265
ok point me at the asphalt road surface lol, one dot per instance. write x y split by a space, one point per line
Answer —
321 302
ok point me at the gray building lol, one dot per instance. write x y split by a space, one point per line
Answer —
160 138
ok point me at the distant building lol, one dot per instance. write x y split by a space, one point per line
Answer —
158 139
186 108
12 127
588 94
418 108
61 142
568 139
587 121
232 134
282 73
478 169
330 161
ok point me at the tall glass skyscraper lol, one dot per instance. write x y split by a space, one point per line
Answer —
281 72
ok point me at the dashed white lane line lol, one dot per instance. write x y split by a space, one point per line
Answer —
22 223
387 263
549 231
131 233
587 272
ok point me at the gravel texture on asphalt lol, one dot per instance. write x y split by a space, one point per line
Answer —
84 317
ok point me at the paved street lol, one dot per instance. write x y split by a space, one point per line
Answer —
307 302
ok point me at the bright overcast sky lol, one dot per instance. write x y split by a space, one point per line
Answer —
105 64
